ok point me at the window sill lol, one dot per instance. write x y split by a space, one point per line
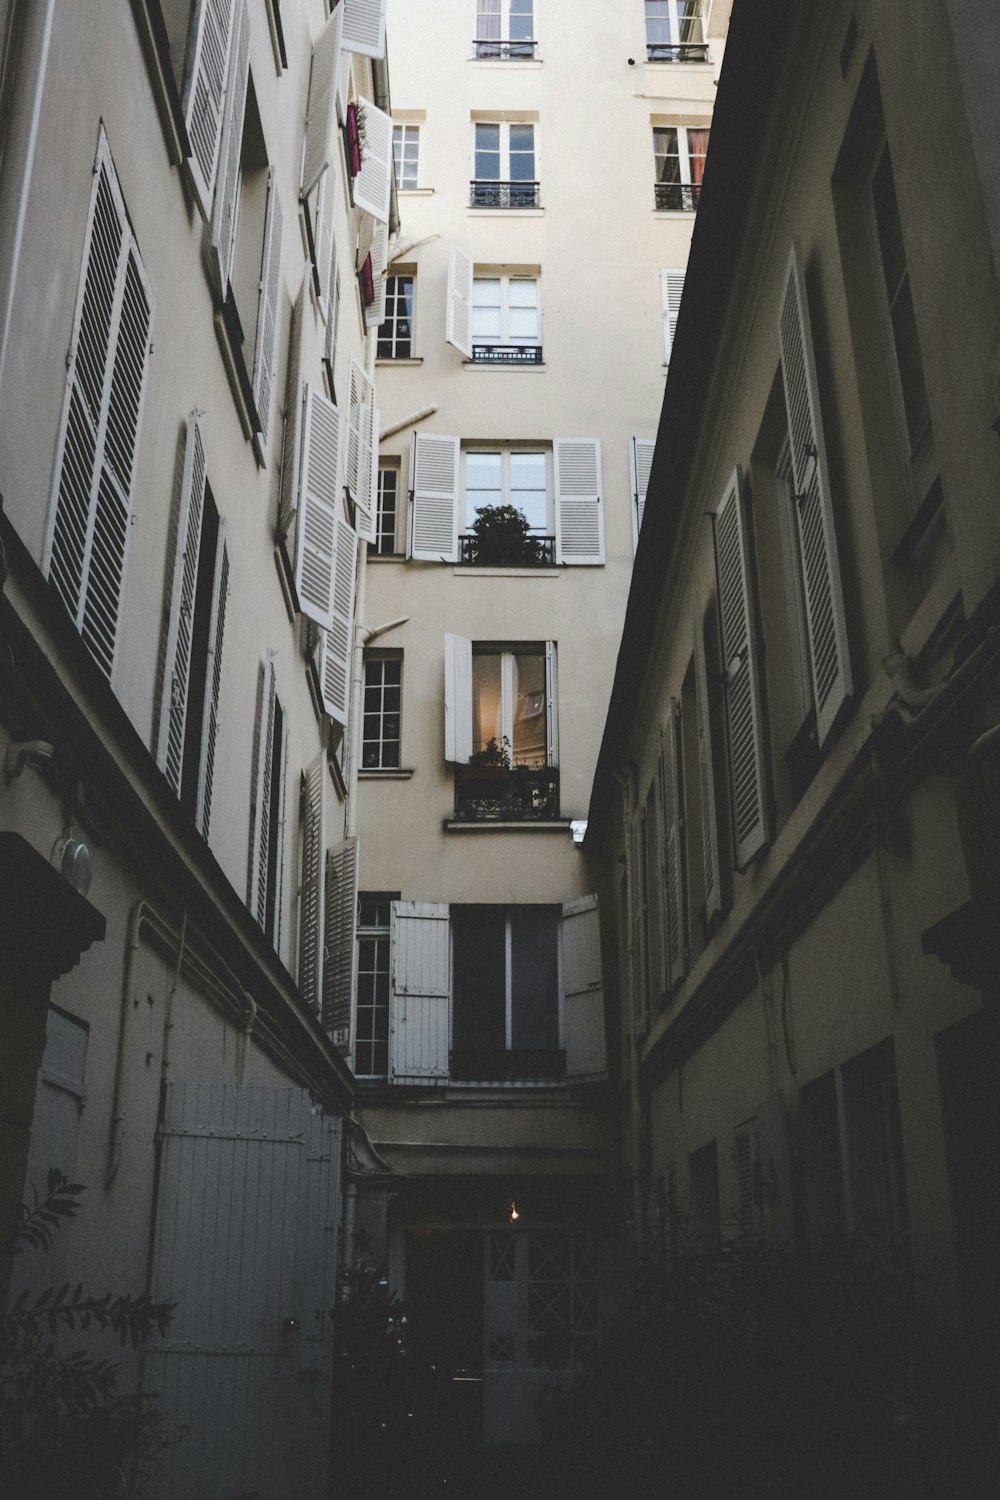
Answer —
414 192
385 773
506 213
918 527
482 364
507 825
385 557
673 213
409 361
508 64
471 572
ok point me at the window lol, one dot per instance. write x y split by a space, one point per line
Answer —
381 710
312 828
506 320
675 31
387 510
395 335
504 29
671 291
406 155
501 729
509 705
505 1019
371 1042
504 165
508 476
267 811
679 153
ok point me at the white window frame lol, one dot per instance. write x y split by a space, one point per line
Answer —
507 655
684 161
503 172
380 934
675 40
404 133
503 41
384 534
392 315
381 660
505 451
506 278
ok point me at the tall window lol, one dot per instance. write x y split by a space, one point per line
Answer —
675 31
504 165
387 511
679 153
395 335
406 155
371 1045
504 29
506 320
505 1014
381 722
509 705
508 476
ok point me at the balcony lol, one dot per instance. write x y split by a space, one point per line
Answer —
677 52
501 552
519 1065
507 354
506 50
679 196
494 794
489 193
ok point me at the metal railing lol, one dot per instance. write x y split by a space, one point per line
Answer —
485 794
678 195
494 552
506 354
677 52
489 193
519 1065
493 47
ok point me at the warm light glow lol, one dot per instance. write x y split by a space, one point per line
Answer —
513 1212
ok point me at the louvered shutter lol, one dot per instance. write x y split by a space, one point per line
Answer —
672 834
294 398
260 806
332 319
829 655
457 699
323 76
319 500
671 290
579 517
177 665
227 186
213 678
265 355
373 185
337 642
364 26
551 704
458 329
375 314
340 941
205 92
281 750
583 989
322 238
311 912
640 453
366 506
360 431
419 992
706 780
434 477
742 678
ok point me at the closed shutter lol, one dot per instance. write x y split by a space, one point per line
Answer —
90 515
742 678
373 185
319 500
323 76
265 354
829 655
337 642
420 992
311 913
294 398
360 434
459 319
227 187
640 454
583 990
457 699
674 925
375 314
579 518
205 92
551 704
177 665
364 26
706 779
260 806
340 945
671 290
434 495
213 677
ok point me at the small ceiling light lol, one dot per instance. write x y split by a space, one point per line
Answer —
73 858
513 1211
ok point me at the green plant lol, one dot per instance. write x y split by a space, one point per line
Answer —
503 535
493 754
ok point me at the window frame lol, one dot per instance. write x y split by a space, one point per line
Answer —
504 45
372 661
386 536
507 653
675 45
523 189
401 129
395 299
506 451
688 186
506 338
380 934
508 910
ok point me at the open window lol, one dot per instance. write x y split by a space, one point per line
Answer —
679 153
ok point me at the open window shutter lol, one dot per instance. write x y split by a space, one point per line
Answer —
227 187
213 676
319 499
459 320
457 699
706 778
551 704
375 314
177 666
671 290
420 992
739 651
281 750
373 184
829 655
322 238
265 355
337 642
364 26
339 945
263 751
579 518
583 990
343 86
205 92
311 913
294 398
672 850
640 454
323 77
366 506
360 418
434 494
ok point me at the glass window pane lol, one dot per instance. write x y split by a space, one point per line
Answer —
522 153
523 292
488 151
657 24
487 723
529 740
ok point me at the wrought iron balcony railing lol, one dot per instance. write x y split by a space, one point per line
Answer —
493 47
677 52
489 193
678 195
495 552
506 354
494 794
519 1065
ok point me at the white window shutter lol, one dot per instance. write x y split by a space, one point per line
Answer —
213 676
419 991
365 506
340 945
457 699
323 238
205 92
742 677
332 320
318 508
583 990
177 664
579 516
706 776
281 750
343 86
227 185
323 77
337 643
311 913
551 704
829 654
294 396
459 319
265 355
364 26
260 806
640 453
375 314
671 848
373 184
434 483
360 418
671 290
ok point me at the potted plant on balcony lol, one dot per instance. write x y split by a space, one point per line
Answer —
503 538
492 756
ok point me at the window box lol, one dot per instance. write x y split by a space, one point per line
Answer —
496 793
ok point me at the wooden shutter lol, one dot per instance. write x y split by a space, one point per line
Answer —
227 187
336 644
434 494
742 678
457 699
672 849
323 76
205 93
829 655
311 912
364 26
360 433
294 398
260 806
706 779
671 290
375 314
458 329
579 517
373 184
551 704
340 944
265 354
420 992
640 453
177 664
318 508
583 990
213 679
